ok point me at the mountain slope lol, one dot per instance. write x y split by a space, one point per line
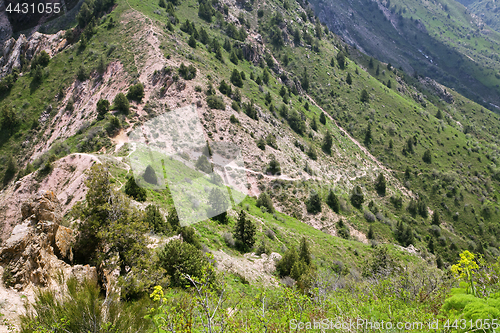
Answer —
432 39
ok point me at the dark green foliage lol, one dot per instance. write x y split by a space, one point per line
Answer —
311 152
364 97
150 175
102 108
206 11
120 103
284 111
296 122
173 219
377 72
431 245
322 118
265 76
436 220
215 102
203 164
397 201
422 208
7 82
41 59
439 115
178 258
389 84
412 207
219 205
203 36
314 124
274 167
370 234
109 227
341 61
348 79
136 92
304 251
81 74
305 80
285 265
162 4
250 110
244 232
233 119
133 190
236 78
113 126
261 143
313 203
357 197
225 88
187 73
10 172
189 235
271 141
327 143
409 146
265 201
404 234
368 136
82 308
380 185
155 220
427 158
333 201
9 119
192 41
343 230
370 64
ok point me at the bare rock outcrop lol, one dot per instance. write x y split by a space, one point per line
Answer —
13 50
39 248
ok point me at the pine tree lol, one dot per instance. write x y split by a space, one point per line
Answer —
380 185
341 60
357 197
283 91
133 190
156 221
244 232
348 79
427 158
233 58
364 97
265 201
389 84
11 170
192 41
368 136
120 103
370 64
102 108
236 78
322 118
332 62
265 76
314 124
333 201
435 218
305 252
370 234
305 80
274 166
430 245
327 143
313 204
377 72
9 118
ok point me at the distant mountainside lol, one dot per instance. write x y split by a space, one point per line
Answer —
439 39
488 11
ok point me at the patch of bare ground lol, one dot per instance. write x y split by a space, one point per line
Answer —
66 181
255 269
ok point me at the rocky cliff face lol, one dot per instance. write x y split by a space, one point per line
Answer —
13 50
39 249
